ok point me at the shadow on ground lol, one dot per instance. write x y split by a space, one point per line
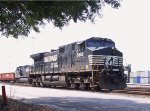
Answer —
88 104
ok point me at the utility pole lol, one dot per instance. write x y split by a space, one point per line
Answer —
4 95
9 63
128 69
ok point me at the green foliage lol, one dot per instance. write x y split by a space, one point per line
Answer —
18 18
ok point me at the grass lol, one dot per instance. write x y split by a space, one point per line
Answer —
14 105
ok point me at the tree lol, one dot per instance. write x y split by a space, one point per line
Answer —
18 18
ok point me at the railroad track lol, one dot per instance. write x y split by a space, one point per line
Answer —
134 90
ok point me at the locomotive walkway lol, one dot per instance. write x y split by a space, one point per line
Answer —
72 100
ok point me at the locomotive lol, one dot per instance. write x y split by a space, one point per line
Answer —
92 63
22 74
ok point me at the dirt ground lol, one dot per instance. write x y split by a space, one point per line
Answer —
14 105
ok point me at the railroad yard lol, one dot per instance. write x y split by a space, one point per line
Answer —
133 98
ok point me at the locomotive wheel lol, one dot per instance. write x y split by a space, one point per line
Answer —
87 86
34 84
30 81
38 84
110 90
44 85
75 85
96 88
41 84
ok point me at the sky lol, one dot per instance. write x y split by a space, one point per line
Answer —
128 27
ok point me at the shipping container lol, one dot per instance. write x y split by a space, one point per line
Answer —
145 74
145 80
131 80
138 79
133 74
140 73
135 80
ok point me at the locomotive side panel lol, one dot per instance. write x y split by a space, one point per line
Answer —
39 62
72 58
51 62
81 57
65 59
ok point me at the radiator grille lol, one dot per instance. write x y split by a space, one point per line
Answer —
105 60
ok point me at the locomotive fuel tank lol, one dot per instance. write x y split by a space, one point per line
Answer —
54 80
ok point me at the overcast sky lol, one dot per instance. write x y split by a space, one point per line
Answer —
129 27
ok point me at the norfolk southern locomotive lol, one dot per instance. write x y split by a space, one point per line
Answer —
92 63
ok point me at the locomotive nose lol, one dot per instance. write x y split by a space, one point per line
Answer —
107 51
106 56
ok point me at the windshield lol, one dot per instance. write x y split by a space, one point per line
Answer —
97 44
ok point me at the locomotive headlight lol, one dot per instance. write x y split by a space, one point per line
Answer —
113 48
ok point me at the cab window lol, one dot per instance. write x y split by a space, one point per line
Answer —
81 46
62 50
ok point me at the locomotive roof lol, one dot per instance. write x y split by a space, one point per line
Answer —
52 52
99 38
90 39
38 55
24 66
67 44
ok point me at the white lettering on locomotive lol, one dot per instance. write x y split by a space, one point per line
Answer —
80 54
50 58
53 65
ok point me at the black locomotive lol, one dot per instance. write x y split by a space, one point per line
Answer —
92 63
22 73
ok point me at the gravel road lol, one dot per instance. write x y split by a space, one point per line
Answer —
72 100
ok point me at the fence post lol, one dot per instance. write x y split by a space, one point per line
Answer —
4 95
